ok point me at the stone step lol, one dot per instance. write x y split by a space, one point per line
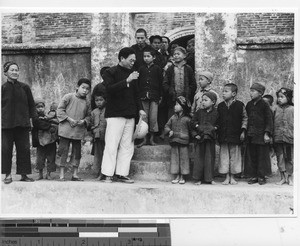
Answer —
150 170
152 153
160 198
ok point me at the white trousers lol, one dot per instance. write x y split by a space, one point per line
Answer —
119 146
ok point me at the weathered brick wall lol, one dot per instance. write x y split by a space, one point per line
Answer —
265 24
46 27
161 23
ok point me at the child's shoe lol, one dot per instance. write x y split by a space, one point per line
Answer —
253 181
262 181
182 180
176 180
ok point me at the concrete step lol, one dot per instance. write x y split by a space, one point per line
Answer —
158 153
150 170
159 198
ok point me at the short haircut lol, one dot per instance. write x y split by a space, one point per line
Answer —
233 87
125 52
84 81
169 41
141 30
7 65
102 70
149 49
100 93
270 98
151 39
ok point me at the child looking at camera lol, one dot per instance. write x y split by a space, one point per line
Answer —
178 128
73 113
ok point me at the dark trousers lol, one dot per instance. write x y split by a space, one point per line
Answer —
63 151
204 161
46 153
162 116
257 160
19 136
98 153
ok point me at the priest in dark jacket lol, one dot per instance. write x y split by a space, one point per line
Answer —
122 108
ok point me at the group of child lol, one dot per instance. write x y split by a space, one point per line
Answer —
204 122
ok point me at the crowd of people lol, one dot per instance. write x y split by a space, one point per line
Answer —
156 83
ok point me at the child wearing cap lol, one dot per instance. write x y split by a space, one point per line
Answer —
259 129
232 125
178 128
73 113
204 126
98 127
203 85
284 134
179 79
44 137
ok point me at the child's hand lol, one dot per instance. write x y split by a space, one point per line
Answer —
72 122
242 137
267 139
171 133
80 123
197 137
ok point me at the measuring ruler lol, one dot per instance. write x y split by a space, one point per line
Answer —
76 232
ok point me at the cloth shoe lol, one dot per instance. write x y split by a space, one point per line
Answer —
106 179
124 179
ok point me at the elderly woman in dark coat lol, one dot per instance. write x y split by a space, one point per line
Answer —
18 110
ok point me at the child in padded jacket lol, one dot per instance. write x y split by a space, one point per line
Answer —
178 128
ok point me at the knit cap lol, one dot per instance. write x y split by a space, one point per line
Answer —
258 87
287 92
207 75
185 104
211 95
181 49
39 100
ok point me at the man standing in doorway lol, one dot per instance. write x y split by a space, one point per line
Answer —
123 106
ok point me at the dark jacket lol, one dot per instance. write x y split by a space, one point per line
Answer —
159 59
180 125
284 124
44 130
231 122
260 121
98 123
122 100
204 124
189 84
139 54
150 82
17 105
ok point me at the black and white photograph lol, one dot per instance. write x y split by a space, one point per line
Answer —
148 113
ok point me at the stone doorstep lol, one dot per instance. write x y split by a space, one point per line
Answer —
94 197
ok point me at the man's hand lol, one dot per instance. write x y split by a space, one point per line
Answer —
267 139
134 75
171 133
143 114
72 122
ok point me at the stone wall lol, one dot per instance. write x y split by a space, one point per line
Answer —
46 27
265 24
161 23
